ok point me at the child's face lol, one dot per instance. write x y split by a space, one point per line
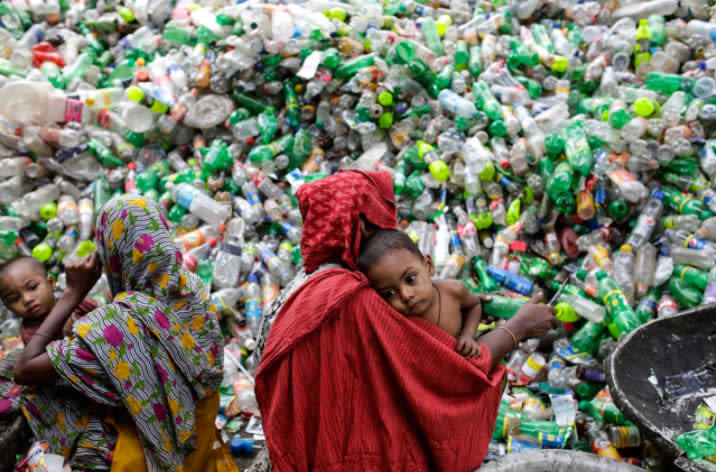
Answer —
403 280
27 291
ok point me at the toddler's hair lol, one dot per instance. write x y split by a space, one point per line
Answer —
383 242
31 261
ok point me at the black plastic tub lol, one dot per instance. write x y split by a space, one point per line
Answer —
659 373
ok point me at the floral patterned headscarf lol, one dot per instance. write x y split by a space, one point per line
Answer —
156 348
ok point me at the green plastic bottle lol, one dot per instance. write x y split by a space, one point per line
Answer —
577 149
693 276
588 337
622 318
646 308
488 283
535 266
267 152
216 157
268 124
684 204
103 154
508 421
486 101
668 83
352 66
102 192
502 307
685 294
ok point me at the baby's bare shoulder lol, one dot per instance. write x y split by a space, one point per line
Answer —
451 287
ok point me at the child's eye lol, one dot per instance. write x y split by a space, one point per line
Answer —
388 294
411 278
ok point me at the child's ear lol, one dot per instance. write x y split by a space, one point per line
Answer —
51 281
428 261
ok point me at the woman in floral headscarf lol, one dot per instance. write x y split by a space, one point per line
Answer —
138 382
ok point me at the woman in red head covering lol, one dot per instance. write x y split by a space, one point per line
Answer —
344 382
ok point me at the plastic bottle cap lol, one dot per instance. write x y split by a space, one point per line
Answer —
440 171
644 107
48 210
581 274
252 278
560 64
519 246
659 195
385 121
134 93
212 242
600 275
385 98
42 252
626 247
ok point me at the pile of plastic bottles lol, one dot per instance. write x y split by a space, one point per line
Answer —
537 145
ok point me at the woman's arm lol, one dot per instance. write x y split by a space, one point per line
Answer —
34 366
531 321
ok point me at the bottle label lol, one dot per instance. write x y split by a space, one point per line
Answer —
231 249
710 293
253 308
73 110
186 196
619 176
253 198
574 355
692 242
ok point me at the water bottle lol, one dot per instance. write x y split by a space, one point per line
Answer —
227 264
624 270
199 204
253 305
646 221
272 262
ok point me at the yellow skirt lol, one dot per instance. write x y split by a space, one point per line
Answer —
211 454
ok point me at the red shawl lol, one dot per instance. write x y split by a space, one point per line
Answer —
348 384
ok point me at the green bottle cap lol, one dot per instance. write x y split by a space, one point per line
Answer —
600 275
440 170
566 313
618 209
48 210
42 252
85 248
560 64
386 120
645 107
619 118
385 98
497 129
488 172
581 274
482 220
134 93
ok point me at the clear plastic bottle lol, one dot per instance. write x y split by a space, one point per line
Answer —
227 265
253 305
646 221
196 254
644 268
199 204
624 270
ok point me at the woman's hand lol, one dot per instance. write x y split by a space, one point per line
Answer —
533 320
82 275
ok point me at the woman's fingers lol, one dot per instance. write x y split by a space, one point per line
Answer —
536 298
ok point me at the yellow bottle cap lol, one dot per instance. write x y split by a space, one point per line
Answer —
134 93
